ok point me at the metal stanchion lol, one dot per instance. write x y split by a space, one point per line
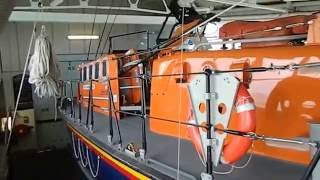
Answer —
79 104
71 100
209 164
110 135
143 151
89 104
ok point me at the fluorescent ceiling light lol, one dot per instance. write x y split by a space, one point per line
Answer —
56 2
81 37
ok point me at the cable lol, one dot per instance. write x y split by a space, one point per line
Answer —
175 39
103 30
20 88
92 29
109 33
180 97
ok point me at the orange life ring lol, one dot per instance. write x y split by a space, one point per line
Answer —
237 146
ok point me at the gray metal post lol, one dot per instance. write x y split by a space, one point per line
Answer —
143 151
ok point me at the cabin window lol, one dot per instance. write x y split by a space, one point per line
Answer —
81 74
84 74
96 71
104 68
90 72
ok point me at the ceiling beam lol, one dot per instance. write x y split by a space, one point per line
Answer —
27 16
83 4
294 7
262 17
251 5
91 7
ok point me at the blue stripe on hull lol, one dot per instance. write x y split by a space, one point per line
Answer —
106 171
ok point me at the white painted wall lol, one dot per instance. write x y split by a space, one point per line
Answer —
15 37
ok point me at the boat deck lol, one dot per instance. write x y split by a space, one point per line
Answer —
164 149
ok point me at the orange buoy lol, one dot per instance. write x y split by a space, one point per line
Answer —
237 146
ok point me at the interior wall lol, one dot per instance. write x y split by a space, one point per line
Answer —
2 102
15 37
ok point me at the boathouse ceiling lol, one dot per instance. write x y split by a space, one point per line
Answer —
152 11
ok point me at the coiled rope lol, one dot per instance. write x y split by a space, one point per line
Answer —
43 67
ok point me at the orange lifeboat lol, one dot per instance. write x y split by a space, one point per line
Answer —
235 146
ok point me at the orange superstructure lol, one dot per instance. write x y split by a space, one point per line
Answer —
284 99
98 72
276 95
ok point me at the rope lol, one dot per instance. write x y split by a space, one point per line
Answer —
232 167
245 164
224 172
94 174
39 67
84 163
74 146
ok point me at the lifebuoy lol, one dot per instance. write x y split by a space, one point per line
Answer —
236 146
